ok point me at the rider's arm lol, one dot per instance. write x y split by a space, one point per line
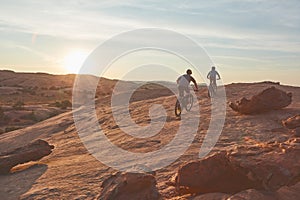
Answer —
195 83
177 81
208 75
218 75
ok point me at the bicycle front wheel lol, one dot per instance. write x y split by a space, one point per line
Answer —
177 108
189 102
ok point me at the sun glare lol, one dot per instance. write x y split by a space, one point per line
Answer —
74 60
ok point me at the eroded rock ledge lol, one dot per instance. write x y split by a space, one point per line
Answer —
267 100
31 152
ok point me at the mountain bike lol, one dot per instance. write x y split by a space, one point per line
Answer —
212 89
184 102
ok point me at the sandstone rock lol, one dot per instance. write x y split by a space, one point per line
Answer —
129 186
31 152
212 196
289 192
269 99
216 173
275 168
253 194
292 122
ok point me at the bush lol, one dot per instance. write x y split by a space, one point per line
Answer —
19 105
30 116
63 104
12 128
54 88
3 118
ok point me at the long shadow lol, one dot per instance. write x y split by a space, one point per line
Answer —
12 186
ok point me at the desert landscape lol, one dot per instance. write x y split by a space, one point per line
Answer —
256 156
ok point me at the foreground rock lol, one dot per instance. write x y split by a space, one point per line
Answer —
269 99
31 152
129 186
260 169
284 193
292 122
216 173
289 192
274 165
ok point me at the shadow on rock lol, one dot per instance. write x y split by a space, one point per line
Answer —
12 186
31 152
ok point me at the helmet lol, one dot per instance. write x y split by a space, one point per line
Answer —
189 71
213 67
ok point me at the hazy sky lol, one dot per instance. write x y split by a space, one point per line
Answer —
249 40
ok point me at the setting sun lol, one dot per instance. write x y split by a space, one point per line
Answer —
74 60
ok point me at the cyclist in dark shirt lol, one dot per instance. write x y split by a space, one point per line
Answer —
184 82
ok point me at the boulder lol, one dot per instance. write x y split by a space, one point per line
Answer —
269 99
216 173
274 168
292 122
253 194
31 152
129 186
283 193
212 196
289 192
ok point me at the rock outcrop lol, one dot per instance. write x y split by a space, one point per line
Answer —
216 173
283 193
269 99
259 175
129 186
31 152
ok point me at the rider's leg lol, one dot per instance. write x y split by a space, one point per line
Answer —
181 92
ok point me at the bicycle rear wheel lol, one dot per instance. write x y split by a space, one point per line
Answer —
177 108
212 89
189 102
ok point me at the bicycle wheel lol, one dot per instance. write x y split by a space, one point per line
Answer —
210 91
189 102
177 108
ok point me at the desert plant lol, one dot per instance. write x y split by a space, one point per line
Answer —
1 112
65 104
11 128
3 118
30 116
19 105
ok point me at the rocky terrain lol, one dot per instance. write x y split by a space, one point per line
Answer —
256 156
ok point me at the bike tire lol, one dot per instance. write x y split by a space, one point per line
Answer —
177 108
212 90
189 102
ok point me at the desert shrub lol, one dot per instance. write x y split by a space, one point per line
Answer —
52 114
29 90
30 116
16 120
54 88
3 118
19 105
1 112
11 128
63 104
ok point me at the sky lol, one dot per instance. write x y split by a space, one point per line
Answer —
248 41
